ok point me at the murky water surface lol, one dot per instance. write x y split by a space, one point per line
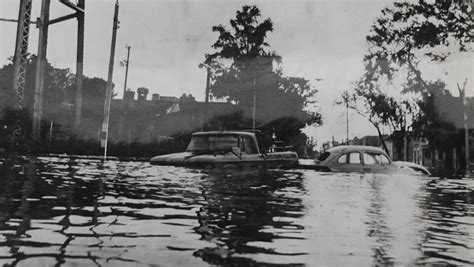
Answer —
61 211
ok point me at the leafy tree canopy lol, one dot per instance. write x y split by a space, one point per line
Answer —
399 39
247 38
410 28
243 66
59 92
187 98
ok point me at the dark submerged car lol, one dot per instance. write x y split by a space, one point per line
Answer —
232 150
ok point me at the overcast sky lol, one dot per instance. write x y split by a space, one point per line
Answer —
316 39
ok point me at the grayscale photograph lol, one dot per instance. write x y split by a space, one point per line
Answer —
236 133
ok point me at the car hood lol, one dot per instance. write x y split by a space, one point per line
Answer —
182 158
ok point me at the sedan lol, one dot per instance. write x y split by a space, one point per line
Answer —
363 159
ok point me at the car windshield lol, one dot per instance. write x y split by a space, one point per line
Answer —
213 143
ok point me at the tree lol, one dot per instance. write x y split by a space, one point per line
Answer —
430 124
409 32
409 29
187 98
400 38
59 92
380 110
56 90
244 47
245 68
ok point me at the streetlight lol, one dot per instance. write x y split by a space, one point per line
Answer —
346 99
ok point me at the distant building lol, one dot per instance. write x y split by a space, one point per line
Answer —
450 109
368 140
146 120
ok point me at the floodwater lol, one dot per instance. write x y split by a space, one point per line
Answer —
64 211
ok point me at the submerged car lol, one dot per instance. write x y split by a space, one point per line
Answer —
412 167
231 150
364 159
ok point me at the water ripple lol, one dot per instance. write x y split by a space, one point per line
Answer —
79 211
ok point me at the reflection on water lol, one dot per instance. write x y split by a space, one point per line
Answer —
247 215
64 211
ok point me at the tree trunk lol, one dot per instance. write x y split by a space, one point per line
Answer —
405 147
434 158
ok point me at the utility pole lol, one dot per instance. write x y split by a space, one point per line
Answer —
346 99
347 122
43 24
254 102
257 65
20 61
206 97
126 62
40 65
124 107
21 52
108 90
79 63
207 92
462 94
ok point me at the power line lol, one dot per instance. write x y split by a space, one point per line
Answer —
15 20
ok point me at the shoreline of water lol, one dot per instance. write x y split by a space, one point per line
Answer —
435 172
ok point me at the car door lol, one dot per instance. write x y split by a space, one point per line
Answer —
348 162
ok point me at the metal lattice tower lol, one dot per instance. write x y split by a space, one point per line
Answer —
21 52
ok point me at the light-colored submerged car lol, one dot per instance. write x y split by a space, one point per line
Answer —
227 150
364 159
412 167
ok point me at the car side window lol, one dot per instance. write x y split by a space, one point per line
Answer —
249 144
370 159
354 158
342 159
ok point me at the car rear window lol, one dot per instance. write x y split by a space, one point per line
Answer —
342 159
382 159
324 156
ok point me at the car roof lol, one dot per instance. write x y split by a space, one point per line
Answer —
223 133
339 149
